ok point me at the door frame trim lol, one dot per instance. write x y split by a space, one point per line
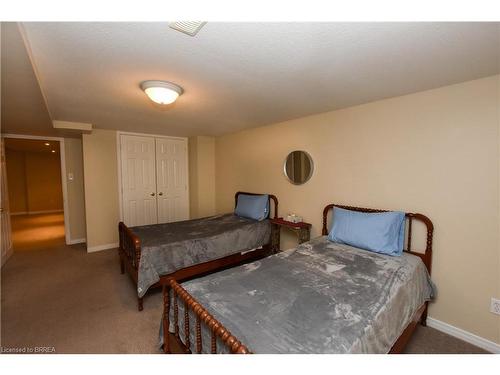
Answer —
10 250
62 153
119 133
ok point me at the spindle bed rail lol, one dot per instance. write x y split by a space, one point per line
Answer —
217 330
235 346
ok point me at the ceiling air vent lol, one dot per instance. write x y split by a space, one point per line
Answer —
187 27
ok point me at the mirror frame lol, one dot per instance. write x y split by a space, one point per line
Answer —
310 173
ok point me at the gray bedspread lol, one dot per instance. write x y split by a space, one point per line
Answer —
321 297
166 248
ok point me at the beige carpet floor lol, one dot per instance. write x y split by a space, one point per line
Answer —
76 302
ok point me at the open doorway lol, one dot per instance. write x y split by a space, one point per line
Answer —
35 192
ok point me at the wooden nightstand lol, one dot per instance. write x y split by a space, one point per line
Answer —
303 230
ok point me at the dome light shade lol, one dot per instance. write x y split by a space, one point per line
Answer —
161 92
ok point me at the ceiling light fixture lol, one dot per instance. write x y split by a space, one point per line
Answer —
53 151
47 144
162 92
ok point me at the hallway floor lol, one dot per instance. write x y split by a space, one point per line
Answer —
37 232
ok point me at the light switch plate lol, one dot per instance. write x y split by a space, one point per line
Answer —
70 176
495 306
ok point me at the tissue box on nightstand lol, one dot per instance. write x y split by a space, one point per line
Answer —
293 218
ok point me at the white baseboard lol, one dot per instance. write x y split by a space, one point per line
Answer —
44 212
102 247
78 240
35 212
466 336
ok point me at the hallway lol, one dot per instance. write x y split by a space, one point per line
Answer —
37 232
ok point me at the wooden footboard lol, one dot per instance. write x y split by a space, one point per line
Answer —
203 317
129 250
129 246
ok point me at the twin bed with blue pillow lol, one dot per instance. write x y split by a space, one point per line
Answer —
352 290
187 249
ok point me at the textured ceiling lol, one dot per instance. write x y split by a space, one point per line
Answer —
240 75
23 109
31 145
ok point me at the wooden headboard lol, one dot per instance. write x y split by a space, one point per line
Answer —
426 255
271 198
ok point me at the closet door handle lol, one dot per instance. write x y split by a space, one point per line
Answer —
160 193
152 194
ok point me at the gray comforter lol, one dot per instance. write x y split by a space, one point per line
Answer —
321 297
166 248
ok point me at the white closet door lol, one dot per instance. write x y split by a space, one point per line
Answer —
138 180
171 180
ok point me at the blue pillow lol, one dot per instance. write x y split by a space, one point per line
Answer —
382 232
252 206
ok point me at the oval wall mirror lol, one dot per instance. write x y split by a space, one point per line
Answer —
298 167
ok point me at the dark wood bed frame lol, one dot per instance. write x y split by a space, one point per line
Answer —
174 343
129 251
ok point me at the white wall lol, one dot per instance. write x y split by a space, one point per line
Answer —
201 176
76 194
100 170
34 182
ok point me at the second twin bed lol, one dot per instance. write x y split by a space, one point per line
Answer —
321 297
